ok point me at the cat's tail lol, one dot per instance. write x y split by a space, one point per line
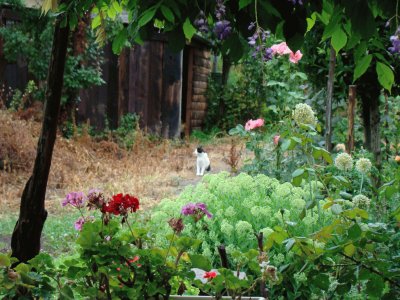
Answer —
208 168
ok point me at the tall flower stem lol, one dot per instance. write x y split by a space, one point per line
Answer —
362 181
169 247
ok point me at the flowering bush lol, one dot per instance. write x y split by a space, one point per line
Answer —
241 206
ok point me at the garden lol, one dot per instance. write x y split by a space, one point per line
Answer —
301 125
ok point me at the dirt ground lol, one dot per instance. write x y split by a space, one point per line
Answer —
151 170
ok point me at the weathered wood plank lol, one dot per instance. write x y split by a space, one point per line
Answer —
172 94
155 87
189 93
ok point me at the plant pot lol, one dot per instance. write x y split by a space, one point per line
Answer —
175 297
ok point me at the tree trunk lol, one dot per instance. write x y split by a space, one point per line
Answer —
25 242
350 118
328 114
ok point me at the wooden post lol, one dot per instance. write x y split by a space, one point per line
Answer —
328 114
189 93
350 117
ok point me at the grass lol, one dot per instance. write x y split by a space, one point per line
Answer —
58 235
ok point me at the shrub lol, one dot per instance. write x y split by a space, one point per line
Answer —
242 206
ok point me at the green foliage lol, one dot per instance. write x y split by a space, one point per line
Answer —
242 205
31 40
125 134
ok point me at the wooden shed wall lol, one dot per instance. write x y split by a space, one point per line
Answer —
201 72
154 83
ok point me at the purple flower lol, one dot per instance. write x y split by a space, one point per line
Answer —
268 55
395 40
251 25
75 199
196 209
201 23
294 2
220 10
222 29
79 223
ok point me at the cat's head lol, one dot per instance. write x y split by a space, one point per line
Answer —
198 150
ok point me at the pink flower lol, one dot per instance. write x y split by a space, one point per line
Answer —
281 49
79 223
295 57
276 139
75 199
251 124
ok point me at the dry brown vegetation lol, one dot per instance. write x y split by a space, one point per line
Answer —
151 170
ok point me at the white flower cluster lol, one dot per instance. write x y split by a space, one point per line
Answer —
303 114
344 162
244 229
361 201
300 277
363 165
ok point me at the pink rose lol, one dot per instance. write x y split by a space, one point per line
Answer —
281 49
276 139
295 57
251 124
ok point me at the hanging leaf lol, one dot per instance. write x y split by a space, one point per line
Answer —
244 3
339 39
147 16
119 41
167 13
362 66
188 29
385 76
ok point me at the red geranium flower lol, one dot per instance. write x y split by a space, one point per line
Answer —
121 204
210 275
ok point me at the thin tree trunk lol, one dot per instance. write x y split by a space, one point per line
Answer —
328 114
226 67
25 242
351 115
366 102
375 129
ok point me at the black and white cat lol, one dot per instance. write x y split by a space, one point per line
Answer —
203 162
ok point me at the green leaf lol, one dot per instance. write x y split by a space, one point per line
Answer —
354 232
321 281
188 29
298 173
4 260
66 293
117 7
311 21
119 41
147 16
349 249
289 244
375 286
339 39
385 75
200 261
168 14
96 21
362 66
244 3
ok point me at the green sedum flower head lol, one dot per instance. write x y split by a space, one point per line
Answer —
363 165
344 162
361 201
303 114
